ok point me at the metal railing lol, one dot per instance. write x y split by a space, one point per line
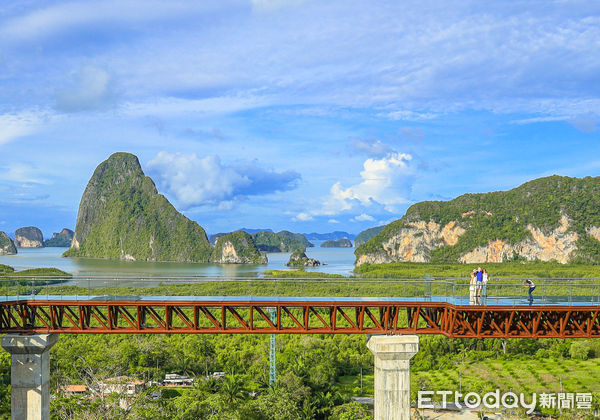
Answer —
499 291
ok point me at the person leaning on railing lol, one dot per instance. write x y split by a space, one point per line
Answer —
531 285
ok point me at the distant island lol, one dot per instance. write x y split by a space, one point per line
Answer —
331 236
7 246
60 239
237 248
340 243
283 241
299 259
554 218
29 237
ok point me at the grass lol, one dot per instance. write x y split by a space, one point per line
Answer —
532 269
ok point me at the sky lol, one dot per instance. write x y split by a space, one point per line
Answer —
309 116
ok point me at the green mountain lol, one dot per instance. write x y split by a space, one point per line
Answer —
237 248
283 241
552 218
366 235
122 216
7 246
340 243
60 239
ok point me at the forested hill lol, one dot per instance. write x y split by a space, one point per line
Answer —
122 216
552 218
283 241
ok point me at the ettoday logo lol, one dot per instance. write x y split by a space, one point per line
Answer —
508 400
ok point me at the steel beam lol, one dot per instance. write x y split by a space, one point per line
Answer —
297 317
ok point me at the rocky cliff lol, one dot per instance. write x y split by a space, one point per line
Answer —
237 248
60 239
29 237
122 216
7 246
554 218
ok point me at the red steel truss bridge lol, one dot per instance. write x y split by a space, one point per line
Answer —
294 315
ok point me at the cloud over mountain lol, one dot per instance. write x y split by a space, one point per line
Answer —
199 181
385 184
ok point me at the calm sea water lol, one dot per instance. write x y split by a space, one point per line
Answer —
338 260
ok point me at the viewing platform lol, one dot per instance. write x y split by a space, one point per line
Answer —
560 309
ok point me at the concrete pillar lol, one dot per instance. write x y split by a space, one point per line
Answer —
392 374
29 374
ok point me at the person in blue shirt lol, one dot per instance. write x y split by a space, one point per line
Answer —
479 278
531 286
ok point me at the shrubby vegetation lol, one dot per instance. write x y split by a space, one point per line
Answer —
521 269
317 374
5 269
39 272
505 215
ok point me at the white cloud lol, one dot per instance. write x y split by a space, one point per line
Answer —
334 221
302 217
22 174
13 126
385 182
586 122
195 181
175 107
363 218
404 61
91 89
64 16
407 115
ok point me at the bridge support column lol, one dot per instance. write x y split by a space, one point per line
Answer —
392 374
29 374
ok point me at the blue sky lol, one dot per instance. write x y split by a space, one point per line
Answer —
300 115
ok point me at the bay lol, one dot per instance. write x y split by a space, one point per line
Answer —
338 261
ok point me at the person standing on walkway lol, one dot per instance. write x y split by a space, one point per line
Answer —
531 286
484 284
473 288
479 278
